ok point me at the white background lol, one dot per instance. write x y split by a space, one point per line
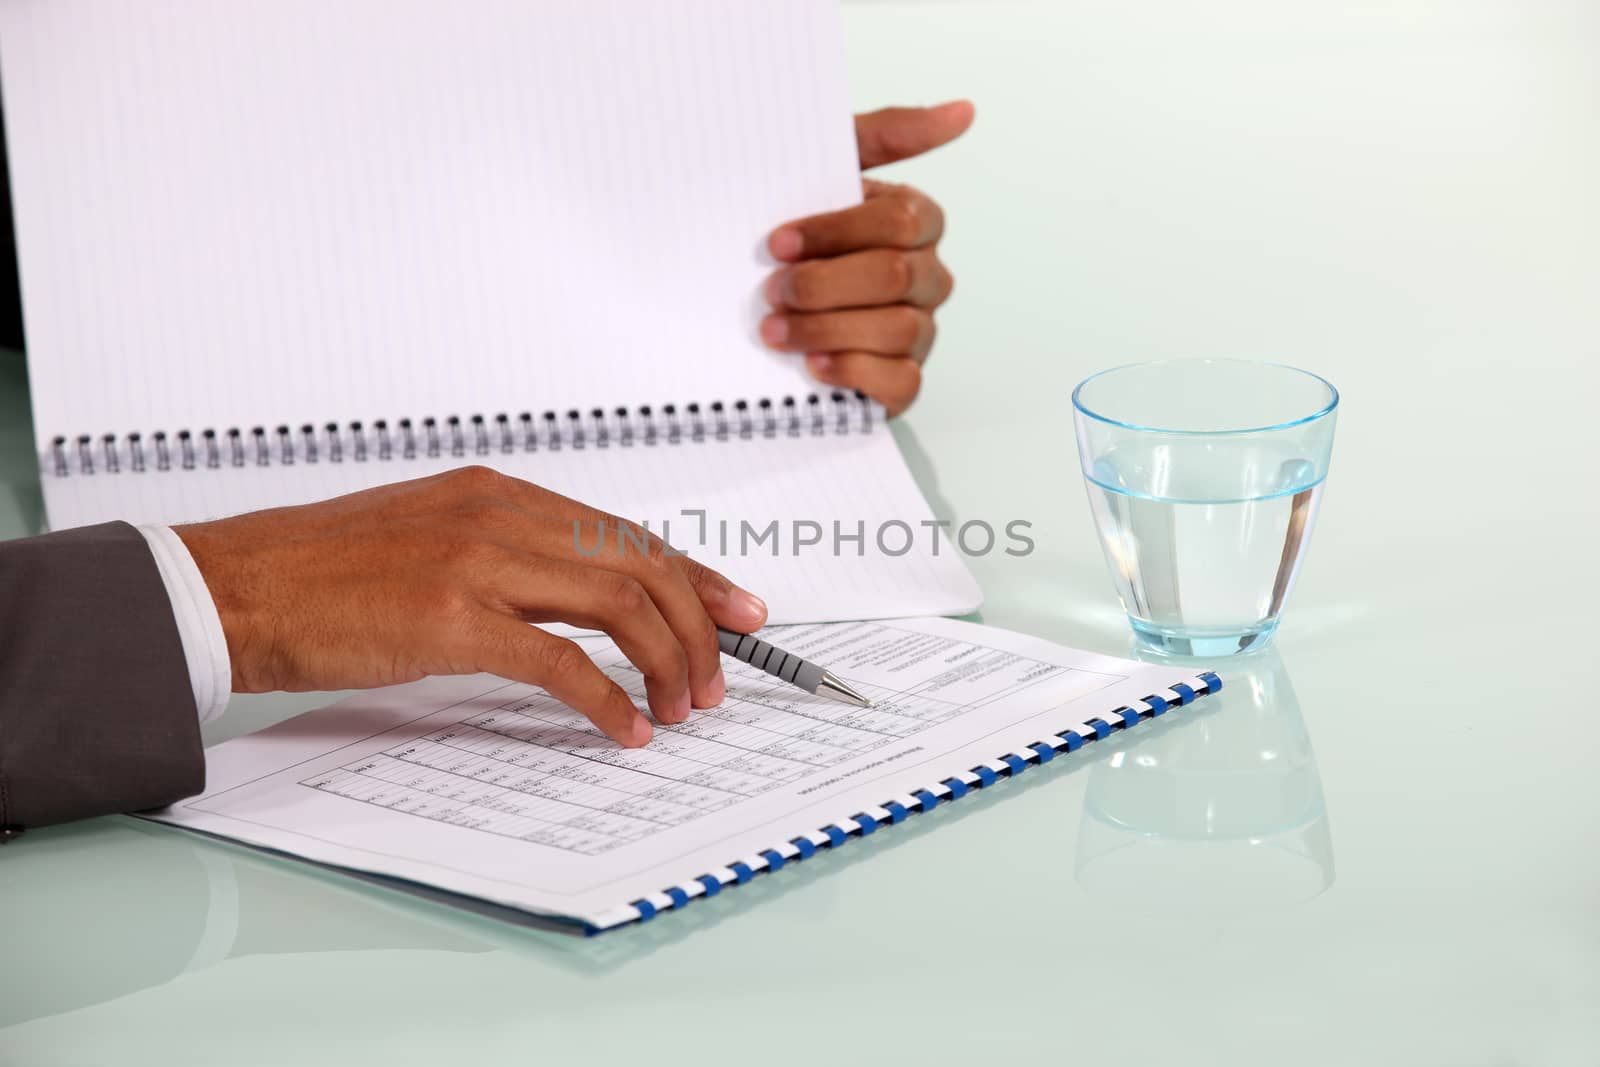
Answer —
1400 196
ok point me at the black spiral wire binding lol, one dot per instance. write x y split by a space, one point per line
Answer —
462 437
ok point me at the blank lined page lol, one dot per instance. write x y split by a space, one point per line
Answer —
252 214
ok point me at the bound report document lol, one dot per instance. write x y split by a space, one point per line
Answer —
273 253
493 791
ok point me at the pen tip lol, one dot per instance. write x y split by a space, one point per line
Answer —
833 687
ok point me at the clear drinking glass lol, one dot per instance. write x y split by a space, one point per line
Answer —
1204 477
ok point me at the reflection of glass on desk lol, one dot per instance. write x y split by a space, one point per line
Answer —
1223 813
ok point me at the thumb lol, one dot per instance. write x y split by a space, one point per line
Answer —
897 133
739 610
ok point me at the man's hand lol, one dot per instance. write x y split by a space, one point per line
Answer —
442 575
859 294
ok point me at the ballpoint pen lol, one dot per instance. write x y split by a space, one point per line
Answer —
789 667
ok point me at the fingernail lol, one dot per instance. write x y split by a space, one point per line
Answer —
680 709
775 329
786 242
751 609
775 288
718 689
819 364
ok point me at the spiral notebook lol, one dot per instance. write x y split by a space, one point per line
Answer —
492 795
272 253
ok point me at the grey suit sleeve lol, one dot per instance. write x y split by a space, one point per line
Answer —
97 713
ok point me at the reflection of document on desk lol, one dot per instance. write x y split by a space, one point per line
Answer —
495 790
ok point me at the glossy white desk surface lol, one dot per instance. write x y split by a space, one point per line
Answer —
1379 847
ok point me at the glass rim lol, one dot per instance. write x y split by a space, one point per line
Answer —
1327 409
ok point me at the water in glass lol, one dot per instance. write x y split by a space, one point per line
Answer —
1200 572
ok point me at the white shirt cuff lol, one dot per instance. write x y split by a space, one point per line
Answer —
199 625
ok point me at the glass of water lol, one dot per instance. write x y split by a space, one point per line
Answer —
1204 477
